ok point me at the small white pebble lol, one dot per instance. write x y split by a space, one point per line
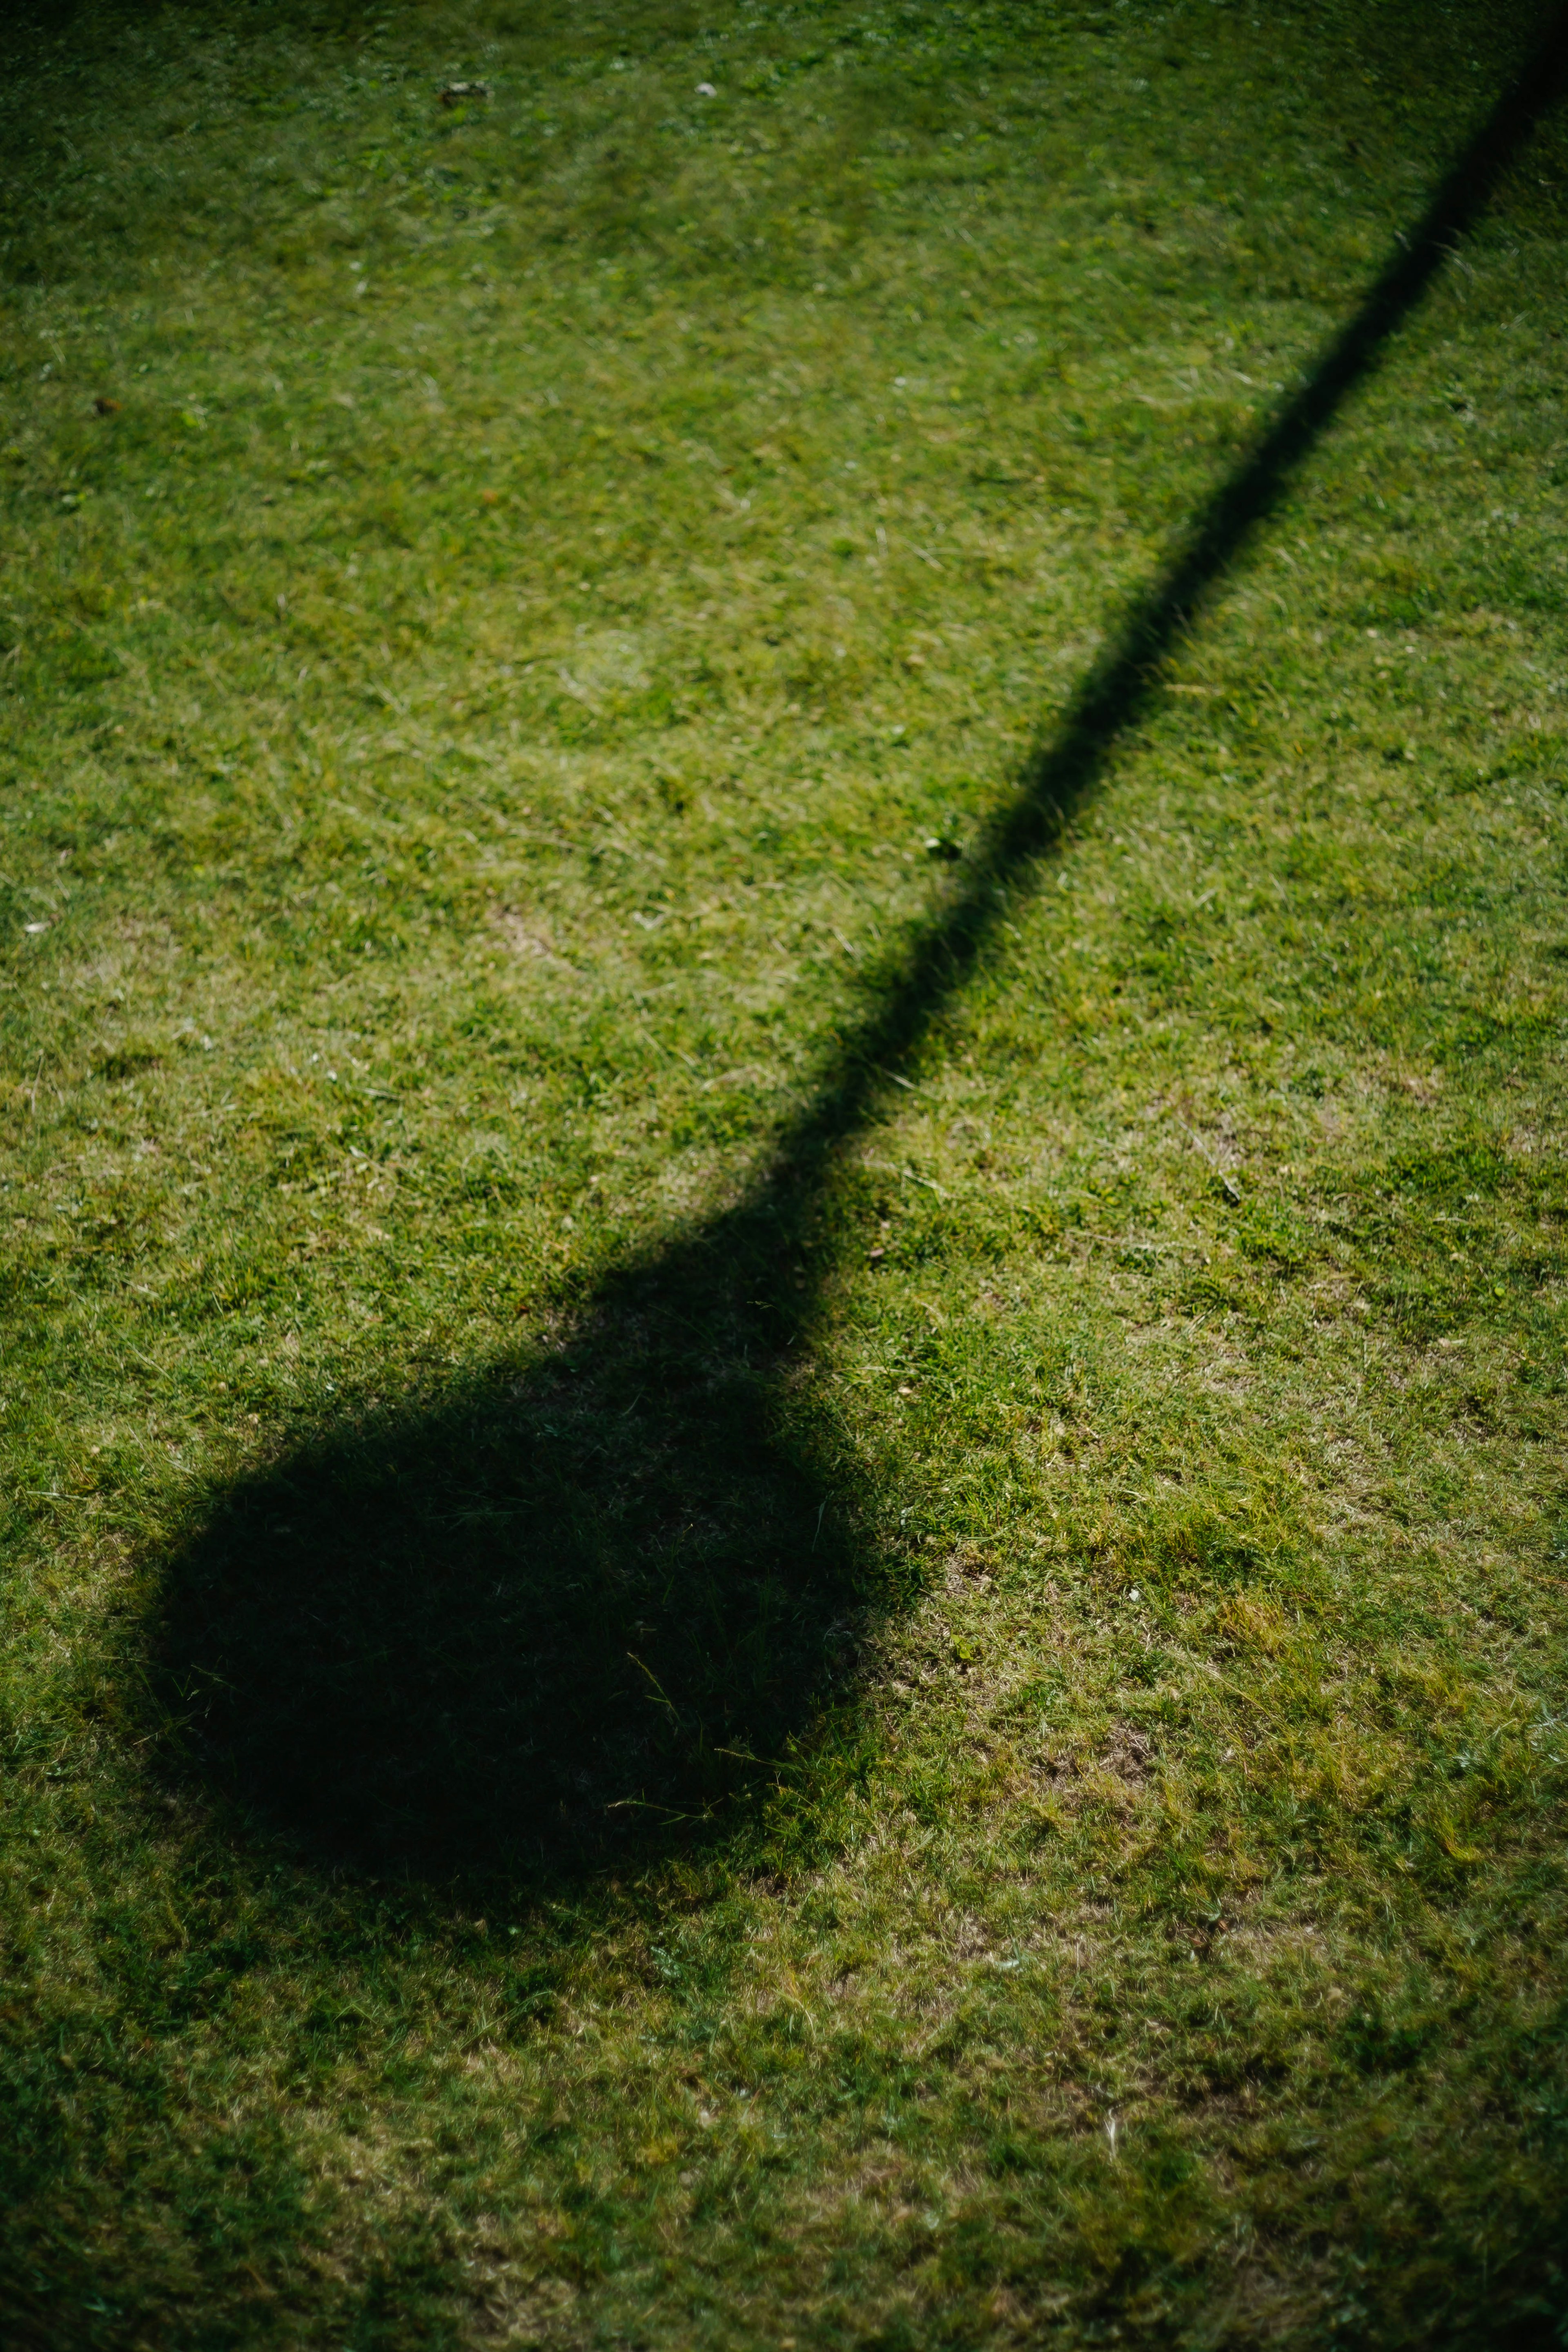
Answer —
706 89
1134 1594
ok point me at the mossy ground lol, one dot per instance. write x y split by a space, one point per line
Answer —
641 1708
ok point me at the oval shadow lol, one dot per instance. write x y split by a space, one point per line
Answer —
554 1617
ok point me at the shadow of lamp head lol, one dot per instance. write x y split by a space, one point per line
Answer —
551 1619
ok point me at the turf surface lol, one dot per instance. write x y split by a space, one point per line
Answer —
785 955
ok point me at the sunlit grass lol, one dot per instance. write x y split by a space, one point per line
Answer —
508 609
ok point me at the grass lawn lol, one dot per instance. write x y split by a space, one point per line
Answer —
785 1509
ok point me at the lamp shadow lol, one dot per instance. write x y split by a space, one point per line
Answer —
575 1608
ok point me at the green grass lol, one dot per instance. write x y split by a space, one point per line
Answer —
768 1587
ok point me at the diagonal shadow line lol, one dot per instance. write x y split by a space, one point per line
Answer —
559 1613
1125 681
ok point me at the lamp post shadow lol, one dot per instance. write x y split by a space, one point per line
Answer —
576 1607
